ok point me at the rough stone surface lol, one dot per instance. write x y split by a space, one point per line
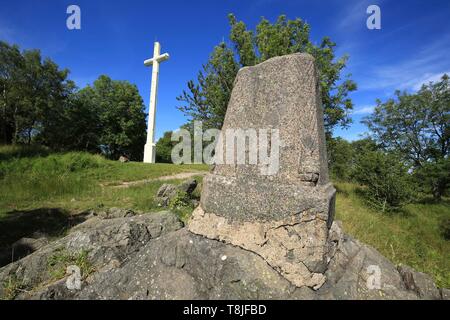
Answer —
419 282
294 246
107 241
445 294
152 256
283 217
111 213
165 193
25 246
350 268
281 93
168 191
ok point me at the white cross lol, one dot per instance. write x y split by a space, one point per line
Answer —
150 147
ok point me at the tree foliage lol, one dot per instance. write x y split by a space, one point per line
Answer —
40 105
340 158
207 99
33 94
117 105
343 156
417 126
164 148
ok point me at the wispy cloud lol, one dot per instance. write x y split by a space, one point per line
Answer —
363 110
427 78
428 64
353 15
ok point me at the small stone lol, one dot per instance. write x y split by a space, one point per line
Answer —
124 159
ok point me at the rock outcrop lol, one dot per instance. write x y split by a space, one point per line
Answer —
152 256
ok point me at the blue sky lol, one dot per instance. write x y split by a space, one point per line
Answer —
411 48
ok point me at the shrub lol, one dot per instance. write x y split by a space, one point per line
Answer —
386 180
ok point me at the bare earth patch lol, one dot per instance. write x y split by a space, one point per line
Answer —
178 176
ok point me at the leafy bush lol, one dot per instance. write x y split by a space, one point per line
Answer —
386 180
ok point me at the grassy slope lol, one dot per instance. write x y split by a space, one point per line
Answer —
33 179
411 237
73 181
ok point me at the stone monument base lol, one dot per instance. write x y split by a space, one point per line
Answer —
252 198
296 245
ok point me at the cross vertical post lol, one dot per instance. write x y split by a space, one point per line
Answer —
150 147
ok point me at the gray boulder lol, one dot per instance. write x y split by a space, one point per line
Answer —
165 193
169 191
420 283
108 242
152 256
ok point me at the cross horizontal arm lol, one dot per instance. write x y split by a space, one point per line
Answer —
160 58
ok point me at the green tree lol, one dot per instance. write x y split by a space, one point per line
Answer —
11 61
33 94
164 148
207 99
121 117
343 156
85 129
417 126
340 158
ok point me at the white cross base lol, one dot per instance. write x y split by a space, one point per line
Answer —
150 153
150 147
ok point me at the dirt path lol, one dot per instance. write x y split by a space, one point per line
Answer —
178 176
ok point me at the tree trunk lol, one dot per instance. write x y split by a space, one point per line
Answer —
16 128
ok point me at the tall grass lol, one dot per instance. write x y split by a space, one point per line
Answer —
74 181
411 237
